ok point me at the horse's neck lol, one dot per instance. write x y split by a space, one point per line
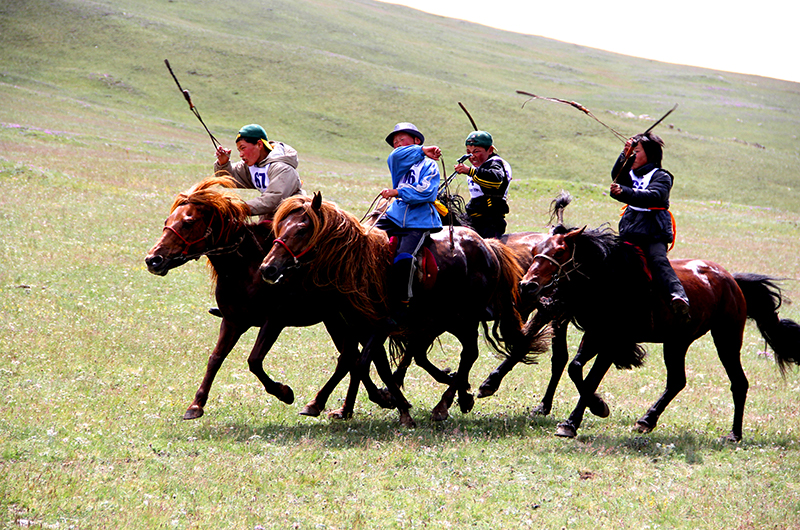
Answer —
243 248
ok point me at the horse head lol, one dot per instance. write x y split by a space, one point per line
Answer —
199 222
551 259
296 227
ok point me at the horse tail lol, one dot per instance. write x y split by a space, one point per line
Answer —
764 298
507 337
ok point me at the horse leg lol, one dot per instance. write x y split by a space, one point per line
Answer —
468 337
373 351
586 352
229 334
586 387
492 382
348 353
266 338
729 346
558 361
675 362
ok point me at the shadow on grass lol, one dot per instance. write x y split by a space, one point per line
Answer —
481 428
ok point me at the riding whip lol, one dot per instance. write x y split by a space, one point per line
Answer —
474 127
188 99
578 106
662 118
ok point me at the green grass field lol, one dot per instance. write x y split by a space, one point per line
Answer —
99 359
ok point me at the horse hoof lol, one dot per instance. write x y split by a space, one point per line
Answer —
439 413
193 412
340 414
384 399
286 395
599 408
309 410
642 428
731 438
541 410
407 421
566 430
486 390
465 402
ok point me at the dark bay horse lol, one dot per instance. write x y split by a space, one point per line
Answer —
525 244
603 284
210 221
477 281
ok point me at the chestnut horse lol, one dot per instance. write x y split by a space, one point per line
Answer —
602 282
212 222
477 281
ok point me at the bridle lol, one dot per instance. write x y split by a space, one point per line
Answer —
562 271
190 243
209 232
296 257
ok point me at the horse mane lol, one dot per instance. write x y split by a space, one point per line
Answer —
608 261
213 193
346 256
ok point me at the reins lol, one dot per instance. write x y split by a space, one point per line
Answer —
187 243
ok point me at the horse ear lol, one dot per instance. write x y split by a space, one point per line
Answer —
575 232
316 202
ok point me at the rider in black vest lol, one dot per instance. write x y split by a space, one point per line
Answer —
488 181
641 183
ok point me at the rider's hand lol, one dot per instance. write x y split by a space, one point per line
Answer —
431 151
223 155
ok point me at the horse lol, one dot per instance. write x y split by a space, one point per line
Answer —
477 280
525 243
213 222
602 282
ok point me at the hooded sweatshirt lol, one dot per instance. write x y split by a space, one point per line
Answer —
276 177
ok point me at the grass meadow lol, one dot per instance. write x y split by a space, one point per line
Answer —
99 359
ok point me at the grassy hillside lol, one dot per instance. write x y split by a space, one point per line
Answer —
331 78
99 358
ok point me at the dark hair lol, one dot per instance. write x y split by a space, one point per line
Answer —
653 147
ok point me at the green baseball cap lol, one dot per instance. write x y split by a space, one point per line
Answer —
479 139
254 132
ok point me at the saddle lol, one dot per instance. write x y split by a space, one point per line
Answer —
425 267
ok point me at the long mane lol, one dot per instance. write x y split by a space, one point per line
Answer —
213 193
346 256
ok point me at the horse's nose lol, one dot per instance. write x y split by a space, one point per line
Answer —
528 289
153 262
269 273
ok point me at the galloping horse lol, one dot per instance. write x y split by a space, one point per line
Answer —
477 281
213 222
603 284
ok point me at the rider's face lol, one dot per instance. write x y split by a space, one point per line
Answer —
478 155
639 157
251 153
402 139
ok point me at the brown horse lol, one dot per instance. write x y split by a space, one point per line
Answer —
477 280
603 284
213 222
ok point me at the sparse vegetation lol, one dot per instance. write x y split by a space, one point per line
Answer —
99 359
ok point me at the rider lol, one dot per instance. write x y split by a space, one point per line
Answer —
488 181
412 215
269 167
641 183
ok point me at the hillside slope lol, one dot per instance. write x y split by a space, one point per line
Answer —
332 77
